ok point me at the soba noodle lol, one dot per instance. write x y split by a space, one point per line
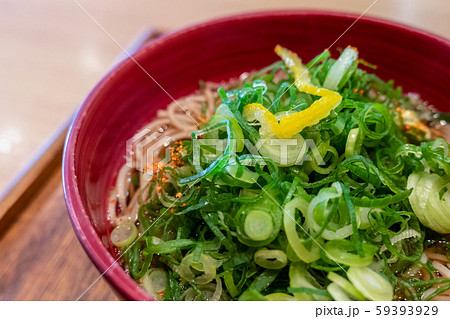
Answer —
175 123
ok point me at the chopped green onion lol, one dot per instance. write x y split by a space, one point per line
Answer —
124 234
279 296
432 211
296 243
354 142
206 266
271 259
370 284
336 73
154 282
337 292
341 251
258 224
345 285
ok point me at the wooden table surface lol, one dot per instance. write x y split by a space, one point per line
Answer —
41 258
52 55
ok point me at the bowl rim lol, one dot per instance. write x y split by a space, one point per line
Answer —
82 226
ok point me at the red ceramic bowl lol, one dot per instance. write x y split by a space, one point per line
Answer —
127 97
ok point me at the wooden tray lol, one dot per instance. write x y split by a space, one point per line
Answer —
41 258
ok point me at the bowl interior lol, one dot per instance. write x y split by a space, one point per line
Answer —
129 96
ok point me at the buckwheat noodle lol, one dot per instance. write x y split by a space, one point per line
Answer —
170 125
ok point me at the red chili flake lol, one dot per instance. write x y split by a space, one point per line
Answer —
184 204
161 293
355 90
172 210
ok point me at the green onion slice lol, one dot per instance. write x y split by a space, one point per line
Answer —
271 259
296 243
124 234
370 284
258 224
201 272
341 251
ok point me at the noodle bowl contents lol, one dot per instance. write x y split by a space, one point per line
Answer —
314 181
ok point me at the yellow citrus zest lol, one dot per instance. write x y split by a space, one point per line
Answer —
269 124
294 123
294 63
